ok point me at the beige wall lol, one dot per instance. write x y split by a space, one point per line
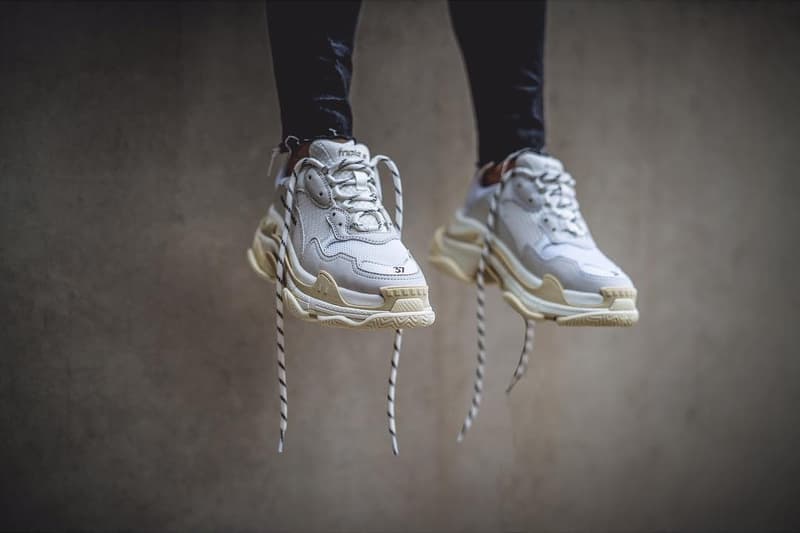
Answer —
137 380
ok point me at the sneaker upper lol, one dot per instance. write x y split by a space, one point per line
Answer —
341 226
539 220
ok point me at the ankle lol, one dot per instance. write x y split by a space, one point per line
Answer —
296 155
491 176
494 174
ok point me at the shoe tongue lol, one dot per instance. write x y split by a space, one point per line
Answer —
538 162
331 152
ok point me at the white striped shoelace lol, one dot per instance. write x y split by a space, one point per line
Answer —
280 285
522 366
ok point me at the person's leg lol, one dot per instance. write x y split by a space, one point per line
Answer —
503 47
312 48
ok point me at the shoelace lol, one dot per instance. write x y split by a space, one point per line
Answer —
351 202
559 193
358 191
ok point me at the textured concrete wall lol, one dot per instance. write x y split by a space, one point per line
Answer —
137 377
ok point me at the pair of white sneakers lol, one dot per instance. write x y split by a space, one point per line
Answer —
337 257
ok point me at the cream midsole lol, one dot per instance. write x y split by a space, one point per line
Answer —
309 303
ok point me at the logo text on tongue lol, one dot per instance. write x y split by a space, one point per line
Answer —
344 152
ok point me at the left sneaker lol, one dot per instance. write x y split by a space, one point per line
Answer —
344 261
540 249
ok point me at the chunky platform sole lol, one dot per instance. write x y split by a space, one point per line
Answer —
458 255
322 301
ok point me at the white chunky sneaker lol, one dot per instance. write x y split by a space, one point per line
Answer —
527 234
540 250
336 255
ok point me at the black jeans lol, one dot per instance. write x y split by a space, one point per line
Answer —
502 44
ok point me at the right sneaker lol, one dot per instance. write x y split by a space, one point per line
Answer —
345 263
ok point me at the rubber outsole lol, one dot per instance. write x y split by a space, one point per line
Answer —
459 259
